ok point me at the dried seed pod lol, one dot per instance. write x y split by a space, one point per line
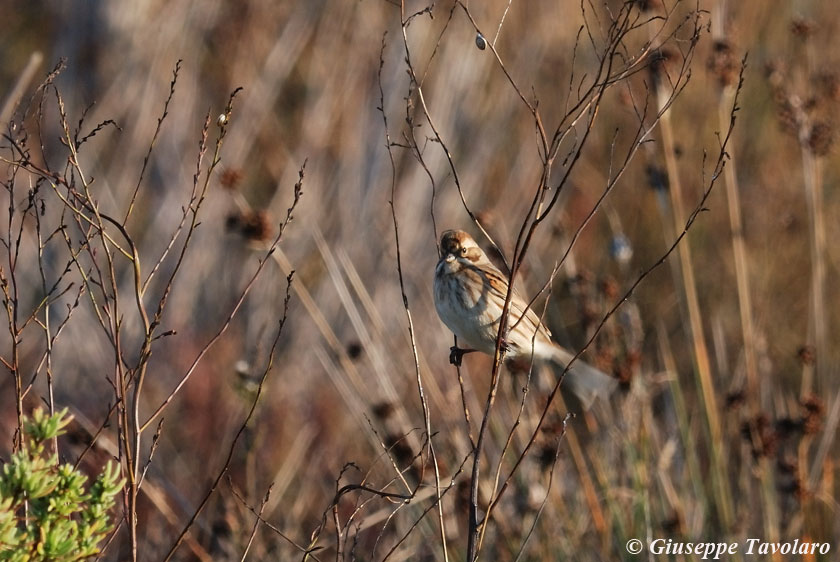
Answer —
230 178
724 64
814 412
821 138
253 225
802 27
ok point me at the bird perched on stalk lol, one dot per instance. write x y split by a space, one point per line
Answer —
469 297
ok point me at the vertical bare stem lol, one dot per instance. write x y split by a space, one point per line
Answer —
424 404
692 304
739 252
819 326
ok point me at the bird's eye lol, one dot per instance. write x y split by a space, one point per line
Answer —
463 251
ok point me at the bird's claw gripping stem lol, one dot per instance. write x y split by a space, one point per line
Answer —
456 354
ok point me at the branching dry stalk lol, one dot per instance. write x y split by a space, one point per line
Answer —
425 406
270 363
615 66
101 249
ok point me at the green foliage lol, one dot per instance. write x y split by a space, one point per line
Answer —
45 512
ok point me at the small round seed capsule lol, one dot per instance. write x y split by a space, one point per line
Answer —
222 120
480 41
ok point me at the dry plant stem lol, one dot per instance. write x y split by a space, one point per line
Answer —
257 522
417 496
152 449
340 529
113 535
9 286
51 338
420 518
387 514
587 484
160 121
45 325
329 335
418 87
195 200
642 134
383 378
473 524
467 422
186 211
539 210
683 422
223 328
13 364
506 446
815 378
12 243
139 288
720 164
238 495
386 450
501 22
339 544
692 304
587 105
391 515
819 322
79 213
85 276
16 93
742 277
514 426
139 373
622 24
426 417
413 145
475 527
826 443
129 434
547 491
753 391
343 532
154 494
253 408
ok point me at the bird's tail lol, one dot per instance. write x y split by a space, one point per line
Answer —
585 381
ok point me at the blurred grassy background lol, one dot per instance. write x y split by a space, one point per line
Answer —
309 72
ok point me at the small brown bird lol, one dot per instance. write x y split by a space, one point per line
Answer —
469 297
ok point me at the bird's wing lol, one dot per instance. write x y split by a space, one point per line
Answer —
518 305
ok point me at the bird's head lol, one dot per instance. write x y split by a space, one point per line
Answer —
457 244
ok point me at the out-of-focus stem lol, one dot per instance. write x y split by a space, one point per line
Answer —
701 353
818 328
770 517
739 253
17 91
